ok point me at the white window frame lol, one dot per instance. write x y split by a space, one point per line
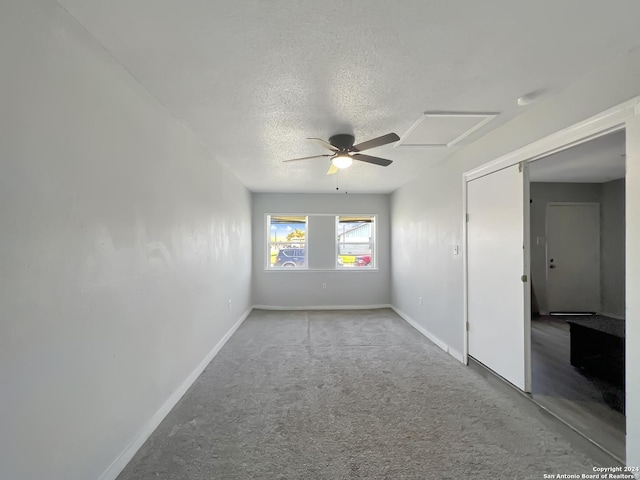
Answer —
270 243
372 243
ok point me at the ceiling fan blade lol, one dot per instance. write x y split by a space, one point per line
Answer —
383 162
332 169
324 144
375 142
307 158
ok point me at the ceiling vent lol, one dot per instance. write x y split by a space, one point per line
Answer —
443 129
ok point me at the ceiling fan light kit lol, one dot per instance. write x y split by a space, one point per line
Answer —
344 152
342 160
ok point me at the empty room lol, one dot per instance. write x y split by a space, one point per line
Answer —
295 239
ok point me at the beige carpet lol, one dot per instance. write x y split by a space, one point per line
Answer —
346 395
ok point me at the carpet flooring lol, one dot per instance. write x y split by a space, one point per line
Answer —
345 395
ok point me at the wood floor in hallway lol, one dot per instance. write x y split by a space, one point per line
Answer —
586 403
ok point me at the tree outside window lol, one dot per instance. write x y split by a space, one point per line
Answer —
287 241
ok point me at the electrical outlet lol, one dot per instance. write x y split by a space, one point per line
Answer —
420 300
456 249
324 285
229 304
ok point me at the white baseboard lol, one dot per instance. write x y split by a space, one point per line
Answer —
121 461
323 307
454 353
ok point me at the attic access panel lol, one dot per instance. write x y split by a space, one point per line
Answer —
441 129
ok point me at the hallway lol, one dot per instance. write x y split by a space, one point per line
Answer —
345 394
591 406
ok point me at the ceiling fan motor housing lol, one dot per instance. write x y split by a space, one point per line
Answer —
342 141
343 151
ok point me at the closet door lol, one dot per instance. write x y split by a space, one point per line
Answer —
498 292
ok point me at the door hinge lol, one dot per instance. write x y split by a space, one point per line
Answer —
523 278
467 326
520 165
467 218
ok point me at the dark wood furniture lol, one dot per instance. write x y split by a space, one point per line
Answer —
597 347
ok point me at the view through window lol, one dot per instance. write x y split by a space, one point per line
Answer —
355 241
287 241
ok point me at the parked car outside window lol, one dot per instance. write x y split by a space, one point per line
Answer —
290 257
363 261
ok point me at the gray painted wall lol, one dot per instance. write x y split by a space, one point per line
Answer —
430 206
610 196
122 240
426 225
299 288
612 268
541 195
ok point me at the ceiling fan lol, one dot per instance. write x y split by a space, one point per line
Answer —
344 152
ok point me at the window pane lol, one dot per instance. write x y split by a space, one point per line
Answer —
287 241
355 241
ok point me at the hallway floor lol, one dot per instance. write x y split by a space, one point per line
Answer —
343 395
590 405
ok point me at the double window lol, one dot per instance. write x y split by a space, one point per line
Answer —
353 245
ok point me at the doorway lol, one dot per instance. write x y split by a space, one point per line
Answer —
578 274
624 117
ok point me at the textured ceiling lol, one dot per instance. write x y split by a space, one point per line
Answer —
254 78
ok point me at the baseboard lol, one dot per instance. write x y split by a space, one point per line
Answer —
611 315
457 355
121 461
454 353
322 307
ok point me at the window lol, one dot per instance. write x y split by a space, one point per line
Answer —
287 241
356 241
352 248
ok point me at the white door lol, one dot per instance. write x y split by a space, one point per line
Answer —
573 257
498 302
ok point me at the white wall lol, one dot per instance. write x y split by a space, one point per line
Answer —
303 288
427 216
121 241
633 291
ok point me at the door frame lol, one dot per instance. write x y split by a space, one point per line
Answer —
546 246
608 121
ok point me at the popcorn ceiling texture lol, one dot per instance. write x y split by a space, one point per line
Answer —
253 79
341 395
